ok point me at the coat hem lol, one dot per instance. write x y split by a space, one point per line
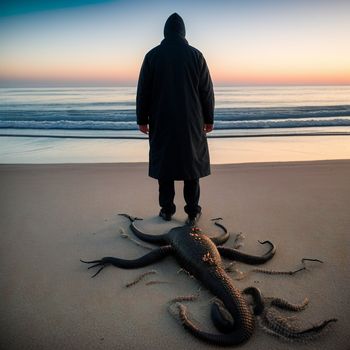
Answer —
179 178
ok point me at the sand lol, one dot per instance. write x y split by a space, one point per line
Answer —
48 150
53 215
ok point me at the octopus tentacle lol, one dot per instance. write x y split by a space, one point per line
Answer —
139 278
258 299
292 272
281 326
152 257
237 255
131 218
218 240
156 239
286 305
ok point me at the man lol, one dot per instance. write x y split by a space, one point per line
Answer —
175 106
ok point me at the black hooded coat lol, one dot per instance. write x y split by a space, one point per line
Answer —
175 98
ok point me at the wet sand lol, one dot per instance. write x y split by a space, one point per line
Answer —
49 150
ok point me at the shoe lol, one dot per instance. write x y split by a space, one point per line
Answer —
165 216
192 220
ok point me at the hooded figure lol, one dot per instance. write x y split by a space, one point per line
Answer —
175 100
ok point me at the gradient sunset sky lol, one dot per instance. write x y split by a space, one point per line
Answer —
244 42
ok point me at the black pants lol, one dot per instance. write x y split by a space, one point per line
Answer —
191 195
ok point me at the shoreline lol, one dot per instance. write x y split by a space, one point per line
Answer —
46 150
326 133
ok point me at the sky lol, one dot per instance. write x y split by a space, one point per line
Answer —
92 42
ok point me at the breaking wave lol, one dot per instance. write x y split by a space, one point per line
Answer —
225 118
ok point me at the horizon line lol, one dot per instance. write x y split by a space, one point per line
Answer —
43 84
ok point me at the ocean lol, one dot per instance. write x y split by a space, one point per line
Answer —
98 124
109 112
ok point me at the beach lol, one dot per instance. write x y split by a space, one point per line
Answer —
97 95
49 150
52 215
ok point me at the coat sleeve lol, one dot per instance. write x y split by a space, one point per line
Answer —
143 96
206 93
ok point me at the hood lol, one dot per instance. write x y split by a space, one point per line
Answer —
174 26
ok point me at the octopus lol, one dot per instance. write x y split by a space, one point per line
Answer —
201 257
